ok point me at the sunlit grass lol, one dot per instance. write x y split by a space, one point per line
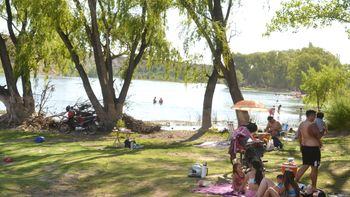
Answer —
90 166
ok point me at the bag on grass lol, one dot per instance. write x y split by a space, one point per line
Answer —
128 143
318 193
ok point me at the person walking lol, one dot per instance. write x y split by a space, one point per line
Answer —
310 143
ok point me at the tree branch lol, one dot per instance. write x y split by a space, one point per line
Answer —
81 14
228 12
195 18
80 68
9 22
119 55
25 21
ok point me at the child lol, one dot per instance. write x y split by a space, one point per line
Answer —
279 181
237 178
253 178
320 123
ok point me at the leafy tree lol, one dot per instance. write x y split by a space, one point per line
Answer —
22 53
309 13
320 85
282 69
107 30
211 21
310 57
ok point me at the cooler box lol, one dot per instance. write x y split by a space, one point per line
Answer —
290 167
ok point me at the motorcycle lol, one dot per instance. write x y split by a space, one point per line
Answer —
79 118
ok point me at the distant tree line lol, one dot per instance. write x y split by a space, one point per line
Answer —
282 70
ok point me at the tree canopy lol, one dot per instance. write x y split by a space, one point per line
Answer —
309 13
321 85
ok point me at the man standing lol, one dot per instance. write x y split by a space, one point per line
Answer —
310 143
274 127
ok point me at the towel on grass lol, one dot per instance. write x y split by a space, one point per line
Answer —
219 189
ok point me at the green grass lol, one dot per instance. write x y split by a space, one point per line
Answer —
90 166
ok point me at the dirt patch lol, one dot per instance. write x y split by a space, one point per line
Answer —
170 135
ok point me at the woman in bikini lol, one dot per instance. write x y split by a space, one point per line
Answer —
289 188
253 178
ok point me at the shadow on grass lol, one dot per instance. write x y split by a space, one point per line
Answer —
33 170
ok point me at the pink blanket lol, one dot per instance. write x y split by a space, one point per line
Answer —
220 189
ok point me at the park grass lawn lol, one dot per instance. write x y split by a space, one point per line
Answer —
89 166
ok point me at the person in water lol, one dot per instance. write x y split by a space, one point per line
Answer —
160 101
154 100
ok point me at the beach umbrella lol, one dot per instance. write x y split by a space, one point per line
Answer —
249 105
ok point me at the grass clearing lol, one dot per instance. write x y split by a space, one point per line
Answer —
90 166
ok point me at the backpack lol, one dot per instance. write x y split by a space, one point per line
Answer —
318 193
127 143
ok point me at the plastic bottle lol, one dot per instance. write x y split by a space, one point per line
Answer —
204 171
131 145
290 160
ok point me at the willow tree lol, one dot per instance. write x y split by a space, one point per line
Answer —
308 13
211 20
22 51
105 30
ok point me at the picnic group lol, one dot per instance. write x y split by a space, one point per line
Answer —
252 182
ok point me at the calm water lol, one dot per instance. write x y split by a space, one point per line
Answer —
182 102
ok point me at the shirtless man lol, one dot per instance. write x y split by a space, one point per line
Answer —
310 144
274 127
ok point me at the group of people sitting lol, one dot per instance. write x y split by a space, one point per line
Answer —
255 184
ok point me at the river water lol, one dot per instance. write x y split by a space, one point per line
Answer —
182 102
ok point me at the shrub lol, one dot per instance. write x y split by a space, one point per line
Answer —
337 113
120 123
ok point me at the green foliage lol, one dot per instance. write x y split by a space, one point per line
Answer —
37 48
282 69
320 85
337 112
120 124
310 13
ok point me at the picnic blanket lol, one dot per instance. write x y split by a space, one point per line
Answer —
218 189
224 144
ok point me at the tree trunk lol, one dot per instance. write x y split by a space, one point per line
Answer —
107 116
235 92
208 100
207 105
17 108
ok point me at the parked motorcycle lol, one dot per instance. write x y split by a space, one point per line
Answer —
79 118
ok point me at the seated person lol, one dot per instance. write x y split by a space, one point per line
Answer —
287 187
253 178
237 178
274 127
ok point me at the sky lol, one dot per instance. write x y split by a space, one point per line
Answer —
250 21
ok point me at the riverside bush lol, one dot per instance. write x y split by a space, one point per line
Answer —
338 113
